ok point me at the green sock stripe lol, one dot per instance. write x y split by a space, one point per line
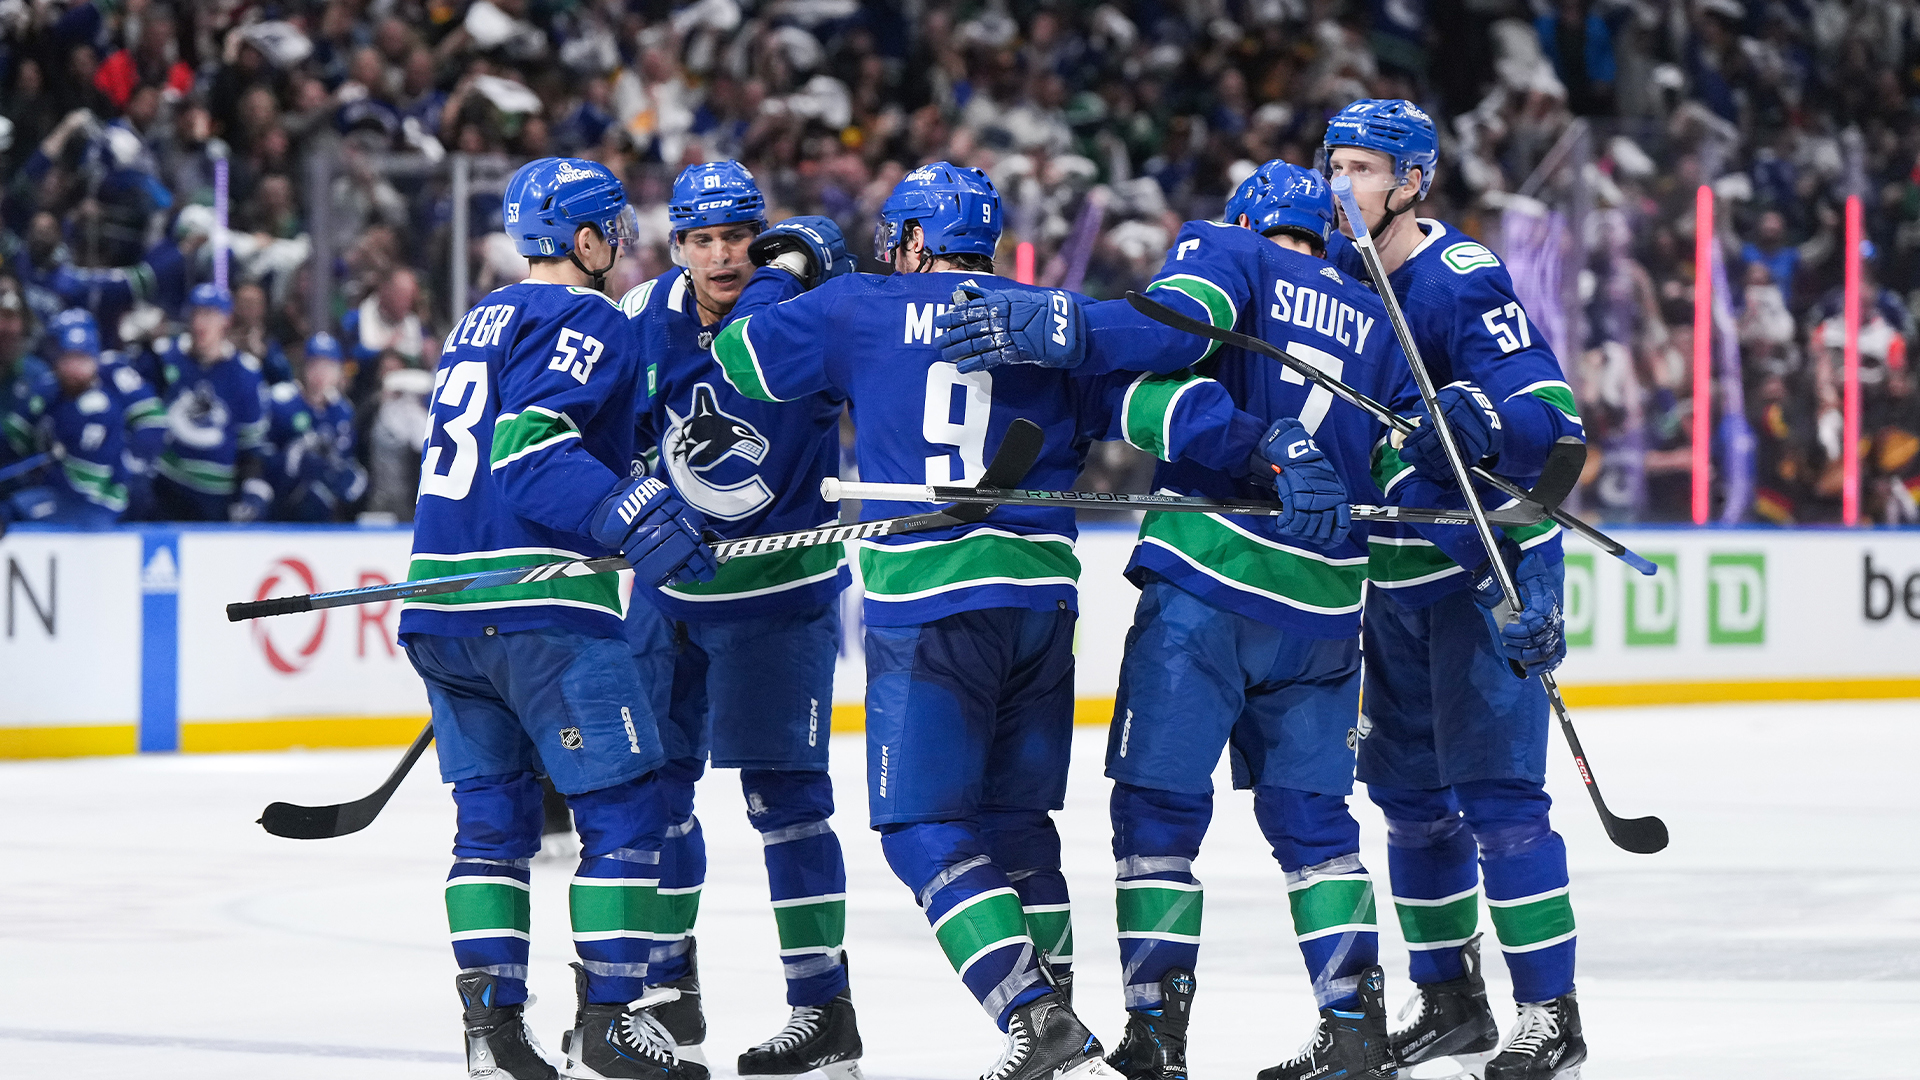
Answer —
1156 908
1532 922
814 923
979 924
1331 903
488 905
1051 930
1455 920
678 910
619 906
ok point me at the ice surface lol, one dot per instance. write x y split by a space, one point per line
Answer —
148 928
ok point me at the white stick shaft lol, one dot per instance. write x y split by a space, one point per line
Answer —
834 489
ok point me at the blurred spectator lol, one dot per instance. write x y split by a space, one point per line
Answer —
397 430
310 441
101 423
216 420
384 323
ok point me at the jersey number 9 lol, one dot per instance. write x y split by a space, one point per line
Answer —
968 435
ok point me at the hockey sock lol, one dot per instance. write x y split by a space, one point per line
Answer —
974 909
806 876
1156 837
1436 883
1025 844
1329 892
683 870
488 893
614 898
1525 864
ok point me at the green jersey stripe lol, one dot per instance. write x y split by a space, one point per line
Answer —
1156 908
610 905
817 925
678 910
1532 922
592 591
1292 576
1555 393
1331 903
1146 411
978 925
1425 923
488 904
1051 929
515 435
1388 468
771 572
981 557
1219 306
740 362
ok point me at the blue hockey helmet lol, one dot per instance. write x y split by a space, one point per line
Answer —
1395 127
715 193
547 200
1281 196
956 208
208 295
323 346
74 331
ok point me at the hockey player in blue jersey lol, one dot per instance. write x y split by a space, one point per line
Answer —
969 630
527 460
103 420
310 441
1247 633
750 654
1457 755
216 418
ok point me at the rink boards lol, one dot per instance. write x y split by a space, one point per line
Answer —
118 642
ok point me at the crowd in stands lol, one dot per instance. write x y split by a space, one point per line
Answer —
323 130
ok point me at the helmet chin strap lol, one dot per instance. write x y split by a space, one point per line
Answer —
1388 213
597 278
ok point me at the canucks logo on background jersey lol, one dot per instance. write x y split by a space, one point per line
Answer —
714 457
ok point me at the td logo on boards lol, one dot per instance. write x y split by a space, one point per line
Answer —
1736 608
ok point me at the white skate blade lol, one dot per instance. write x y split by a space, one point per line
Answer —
839 1070
694 1052
1091 1069
1451 1067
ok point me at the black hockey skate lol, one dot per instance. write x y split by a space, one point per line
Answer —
1448 1019
623 1042
1045 1041
819 1043
1061 981
499 1046
1545 1043
682 1016
1155 1044
1346 1045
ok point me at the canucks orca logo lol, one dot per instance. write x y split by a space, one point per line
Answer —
707 446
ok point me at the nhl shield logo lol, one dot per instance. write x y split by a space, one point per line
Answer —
570 738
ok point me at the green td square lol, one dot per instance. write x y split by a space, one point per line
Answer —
1737 599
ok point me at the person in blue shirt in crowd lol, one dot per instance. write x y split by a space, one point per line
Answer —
310 457
216 419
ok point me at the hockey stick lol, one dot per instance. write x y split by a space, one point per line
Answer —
1017 453
1158 312
1643 835
322 822
1526 512
30 465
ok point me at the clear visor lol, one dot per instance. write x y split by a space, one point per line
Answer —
624 229
884 240
1366 174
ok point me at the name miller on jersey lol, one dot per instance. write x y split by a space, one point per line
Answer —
1323 314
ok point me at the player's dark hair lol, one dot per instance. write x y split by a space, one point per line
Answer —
1306 236
971 262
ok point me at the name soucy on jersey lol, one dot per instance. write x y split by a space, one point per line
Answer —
1232 277
918 420
1468 322
749 466
532 423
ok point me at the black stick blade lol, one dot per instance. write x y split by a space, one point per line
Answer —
1565 461
305 822
1641 835
1019 449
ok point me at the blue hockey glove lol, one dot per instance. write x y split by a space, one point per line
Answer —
1476 430
1534 641
645 521
1012 326
812 241
1309 489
